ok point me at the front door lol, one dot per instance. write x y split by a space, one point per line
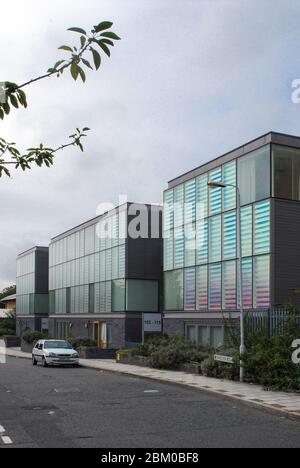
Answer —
100 334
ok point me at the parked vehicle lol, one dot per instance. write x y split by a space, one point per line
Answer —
54 353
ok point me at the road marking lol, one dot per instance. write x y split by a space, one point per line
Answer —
151 391
6 440
2 430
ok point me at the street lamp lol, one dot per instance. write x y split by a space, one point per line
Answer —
214 184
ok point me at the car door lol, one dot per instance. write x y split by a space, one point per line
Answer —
35 350
39 351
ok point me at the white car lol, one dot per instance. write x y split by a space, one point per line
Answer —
54 353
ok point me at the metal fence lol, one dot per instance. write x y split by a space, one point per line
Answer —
272 322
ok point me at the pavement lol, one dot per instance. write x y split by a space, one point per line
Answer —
287 404
85 408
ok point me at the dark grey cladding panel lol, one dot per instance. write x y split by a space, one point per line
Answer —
134 328
286 251
145 256
42 271
272 137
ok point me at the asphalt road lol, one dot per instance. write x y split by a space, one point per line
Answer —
85 408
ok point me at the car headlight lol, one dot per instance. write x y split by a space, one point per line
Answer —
76 355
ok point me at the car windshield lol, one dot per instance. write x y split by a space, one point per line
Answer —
57 345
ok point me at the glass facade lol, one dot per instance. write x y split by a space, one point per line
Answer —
87 268
88 274
30 300
286 172
200 229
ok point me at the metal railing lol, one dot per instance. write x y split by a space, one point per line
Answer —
272 322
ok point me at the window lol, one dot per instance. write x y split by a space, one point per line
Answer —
91 298
261 281
115 263
203 336
108 296
215 194
201 288
246 230
215 286
229 193
68 300
89 246
191 333
202 242
229 235
173 283
118 295
142 296
215 237
190 289
286 172
254 176
229 285
202 196
216 337
262 228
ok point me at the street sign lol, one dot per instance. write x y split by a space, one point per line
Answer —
152 323
226 359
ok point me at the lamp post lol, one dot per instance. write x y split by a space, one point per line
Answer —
214 184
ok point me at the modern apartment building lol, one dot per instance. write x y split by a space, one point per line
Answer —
200 231
105 277
32 290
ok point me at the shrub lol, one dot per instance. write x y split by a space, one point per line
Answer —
31 337
82 342
6 332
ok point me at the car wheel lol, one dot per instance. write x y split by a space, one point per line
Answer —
44 362
34 361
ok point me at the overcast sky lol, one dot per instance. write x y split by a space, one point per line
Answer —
190 80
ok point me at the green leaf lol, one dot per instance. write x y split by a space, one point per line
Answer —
108 42
58 64
66 48
78 30
82 74
6 108
104 25
74 71
1 114
104 47
83 41
111 35
86 129
14 101
87 63
97 58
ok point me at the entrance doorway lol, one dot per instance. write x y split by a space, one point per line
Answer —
100 334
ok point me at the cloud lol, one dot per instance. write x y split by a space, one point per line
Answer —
190 80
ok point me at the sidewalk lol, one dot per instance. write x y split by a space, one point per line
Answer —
285 404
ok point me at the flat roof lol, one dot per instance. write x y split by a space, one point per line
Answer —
9 298
93 221
270 137
33 249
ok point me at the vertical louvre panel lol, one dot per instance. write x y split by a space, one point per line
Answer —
229 193
229 235
190 245
261 281
179 206
262 228
215 286
215 237
215 194
122 261
190 202
202 288
246 231
247 283
190 289
179 246
168 250
202 196
108 296
229 286
202 242
168 210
